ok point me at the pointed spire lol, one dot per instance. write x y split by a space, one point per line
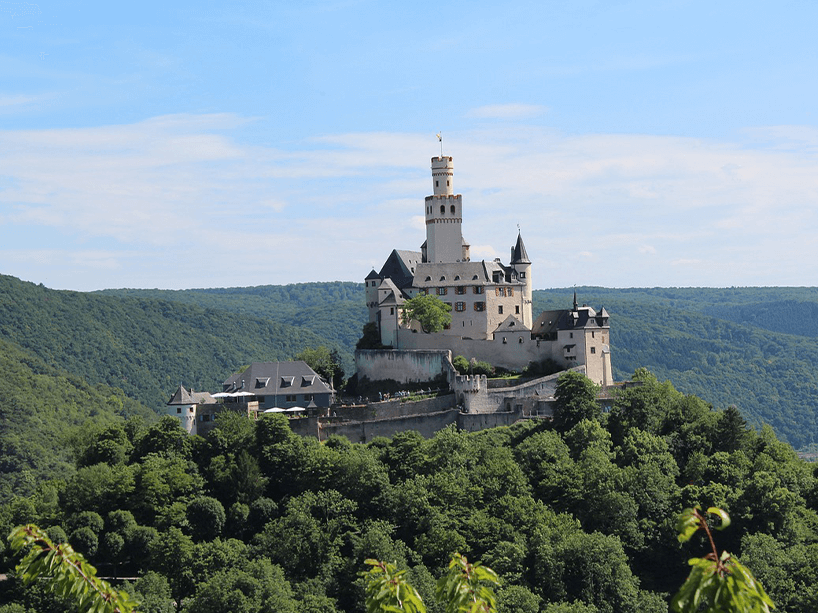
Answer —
518 252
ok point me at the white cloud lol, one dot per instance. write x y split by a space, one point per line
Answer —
178 201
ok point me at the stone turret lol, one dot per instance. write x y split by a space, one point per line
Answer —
444 217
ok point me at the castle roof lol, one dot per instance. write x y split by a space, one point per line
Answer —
183 396
511 324
400 267
391 294
268 378
433 274
518 253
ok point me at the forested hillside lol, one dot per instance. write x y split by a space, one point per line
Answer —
334 311
577 516
42 410
752 347
146 347
749 347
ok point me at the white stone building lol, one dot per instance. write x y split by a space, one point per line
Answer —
491 302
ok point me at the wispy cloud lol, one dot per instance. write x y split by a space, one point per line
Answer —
180 201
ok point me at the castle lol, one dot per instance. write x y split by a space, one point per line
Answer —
491 303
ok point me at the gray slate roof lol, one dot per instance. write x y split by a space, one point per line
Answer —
268 378
183 396
518 253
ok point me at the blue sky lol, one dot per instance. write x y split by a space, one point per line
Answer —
212 144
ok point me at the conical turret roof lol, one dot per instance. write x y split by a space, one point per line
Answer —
518 253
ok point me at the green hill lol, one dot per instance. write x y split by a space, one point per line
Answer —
144 346
751 347
41 410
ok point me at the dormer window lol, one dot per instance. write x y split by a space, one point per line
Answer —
443 278
428 278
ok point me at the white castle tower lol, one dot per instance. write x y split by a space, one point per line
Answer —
444 217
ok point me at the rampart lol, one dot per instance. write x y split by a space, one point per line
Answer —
403 366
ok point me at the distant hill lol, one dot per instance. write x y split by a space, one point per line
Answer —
752 347
144 346
41 410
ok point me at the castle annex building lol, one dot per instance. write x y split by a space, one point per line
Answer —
491 302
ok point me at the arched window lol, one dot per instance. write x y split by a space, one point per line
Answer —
452 209
442 208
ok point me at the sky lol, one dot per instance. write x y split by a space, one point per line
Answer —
221 144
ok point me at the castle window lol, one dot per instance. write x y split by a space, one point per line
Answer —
460 290
477 289
570 335
510 292
460 307
520 340
522 275
517 310
178 409
500 309
447 183
452 209
593 349
442 208
441 291
479 306
391 310
437 183
505 342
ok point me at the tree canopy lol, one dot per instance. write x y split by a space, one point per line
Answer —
429 311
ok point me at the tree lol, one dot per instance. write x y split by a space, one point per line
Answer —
717 583
66 572
575 400
429 311
326 363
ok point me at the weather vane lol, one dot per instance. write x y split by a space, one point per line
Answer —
440 138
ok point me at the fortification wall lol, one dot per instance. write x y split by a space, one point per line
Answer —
389 409
515 353
403 366
364 431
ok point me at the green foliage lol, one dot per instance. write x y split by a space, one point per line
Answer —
67 572
463 588
326 362
429 311
370 337
575 400
717 583
387 590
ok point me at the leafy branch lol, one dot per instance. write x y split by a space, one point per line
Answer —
717 583
68 573
462 589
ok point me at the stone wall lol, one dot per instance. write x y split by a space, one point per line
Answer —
364 431
403 366
515 353
393 408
